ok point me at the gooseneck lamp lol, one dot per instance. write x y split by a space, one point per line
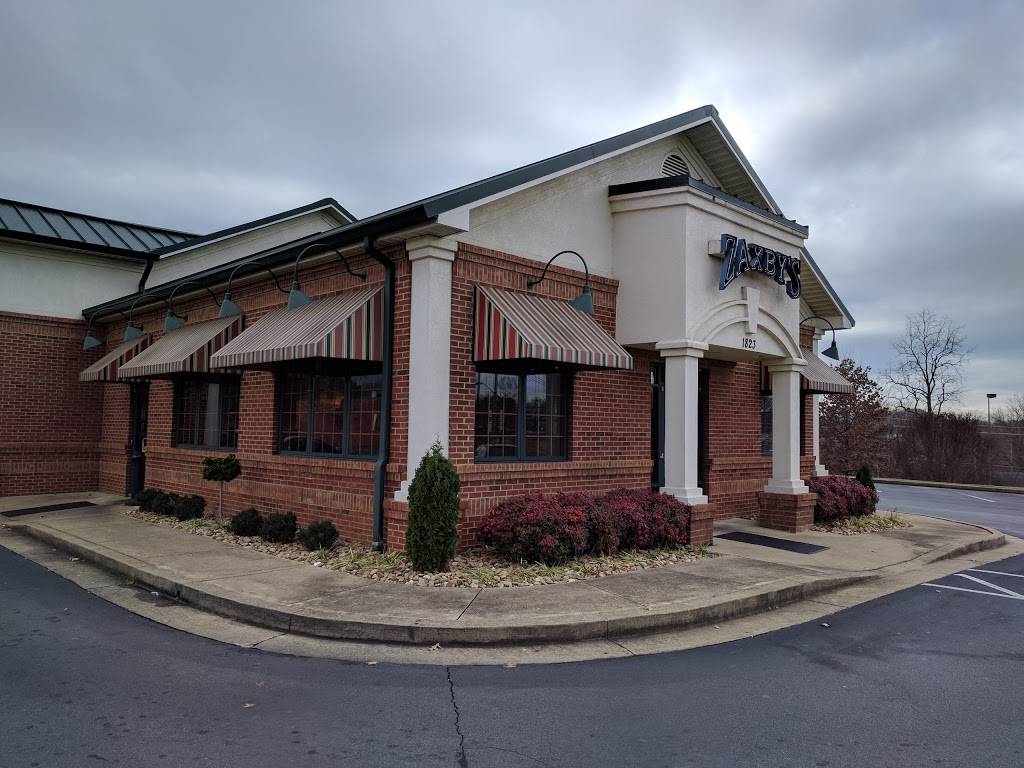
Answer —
833 350
585 301
132 332
90 341
173 322
296 298
228 308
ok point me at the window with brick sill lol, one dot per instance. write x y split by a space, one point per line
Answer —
329 413
522 415
206 412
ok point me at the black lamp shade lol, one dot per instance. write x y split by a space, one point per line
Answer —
832 351
228 308
296 298
91 342
584 302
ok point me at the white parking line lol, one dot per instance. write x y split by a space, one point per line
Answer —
975 591
979 498
993 586
997 573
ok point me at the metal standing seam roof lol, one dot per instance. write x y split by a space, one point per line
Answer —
19 219
349 325
509 325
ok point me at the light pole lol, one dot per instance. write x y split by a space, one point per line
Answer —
991 396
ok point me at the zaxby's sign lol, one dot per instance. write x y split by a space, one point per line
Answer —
739 256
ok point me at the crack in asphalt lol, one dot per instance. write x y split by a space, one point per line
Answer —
461 754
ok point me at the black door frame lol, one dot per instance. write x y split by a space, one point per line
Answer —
138 424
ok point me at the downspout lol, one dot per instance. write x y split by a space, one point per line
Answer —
145 274
386 392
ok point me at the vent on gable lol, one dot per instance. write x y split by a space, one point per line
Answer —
674 165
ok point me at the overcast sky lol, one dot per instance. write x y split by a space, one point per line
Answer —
895 130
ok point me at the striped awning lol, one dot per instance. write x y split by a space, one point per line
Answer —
349 325
511 326
817 378
186 350
821 378
108 367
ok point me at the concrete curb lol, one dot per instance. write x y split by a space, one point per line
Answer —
423 633
951 486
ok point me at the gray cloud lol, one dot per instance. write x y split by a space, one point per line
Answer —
892 129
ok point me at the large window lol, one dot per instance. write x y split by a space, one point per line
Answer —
206 412
521 416
766 425
329 415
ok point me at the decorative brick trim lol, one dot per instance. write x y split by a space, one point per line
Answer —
787 512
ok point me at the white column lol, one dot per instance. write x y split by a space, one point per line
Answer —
429 348
786 427
819 468
681 419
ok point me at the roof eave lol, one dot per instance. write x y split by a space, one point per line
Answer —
829 290
85 248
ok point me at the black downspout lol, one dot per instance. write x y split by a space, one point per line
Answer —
386 392
145 274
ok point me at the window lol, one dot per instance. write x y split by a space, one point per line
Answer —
521 416
328 415
766 425
206 412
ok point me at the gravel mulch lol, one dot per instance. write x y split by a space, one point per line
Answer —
474 568
865 524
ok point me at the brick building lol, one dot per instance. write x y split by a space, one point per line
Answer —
672 343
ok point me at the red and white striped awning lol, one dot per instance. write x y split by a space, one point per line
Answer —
817 377
349 325
108 367
511 326
186 350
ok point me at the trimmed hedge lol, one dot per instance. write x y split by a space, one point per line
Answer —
840 498
319 535
248 522
164 503
189 507
279 528
553 529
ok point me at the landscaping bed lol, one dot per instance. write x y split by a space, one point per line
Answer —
872 523
475 568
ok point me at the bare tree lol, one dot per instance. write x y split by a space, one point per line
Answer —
929 361
1013 411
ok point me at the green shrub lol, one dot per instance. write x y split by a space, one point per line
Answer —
145 498
432 530
221 469
189 507
163 503
865 478
279 528
319 535
248 522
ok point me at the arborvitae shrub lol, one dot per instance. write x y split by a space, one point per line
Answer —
279 528
319 535
865 478
431 533
248 522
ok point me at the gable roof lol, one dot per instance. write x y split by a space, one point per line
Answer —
51 226
221 234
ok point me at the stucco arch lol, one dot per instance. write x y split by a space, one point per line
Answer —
714 327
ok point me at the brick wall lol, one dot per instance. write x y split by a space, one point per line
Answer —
50 422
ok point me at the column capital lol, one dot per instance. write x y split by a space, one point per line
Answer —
431 247
681 348
785 364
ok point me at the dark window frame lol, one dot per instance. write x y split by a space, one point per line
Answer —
767 432
311 380
180 383
516 368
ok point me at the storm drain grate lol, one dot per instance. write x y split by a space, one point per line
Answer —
800 547
48 508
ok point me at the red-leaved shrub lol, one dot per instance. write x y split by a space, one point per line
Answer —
553 529
841 497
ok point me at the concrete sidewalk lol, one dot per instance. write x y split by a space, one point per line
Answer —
296 598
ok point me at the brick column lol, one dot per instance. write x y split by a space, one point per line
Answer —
702 525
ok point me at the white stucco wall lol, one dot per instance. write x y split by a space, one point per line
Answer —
668 284
54 282
175 266
572 210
